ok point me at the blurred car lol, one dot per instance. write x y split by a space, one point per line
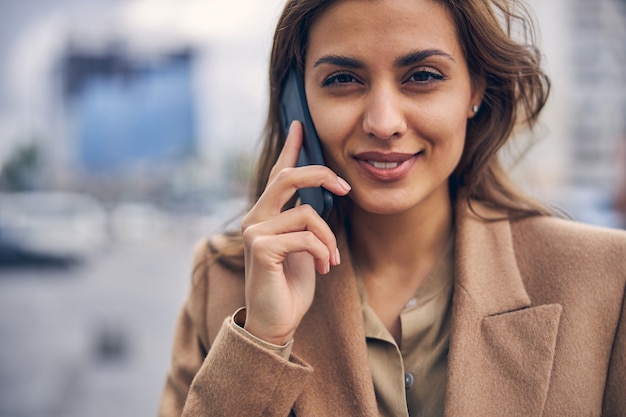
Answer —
50 225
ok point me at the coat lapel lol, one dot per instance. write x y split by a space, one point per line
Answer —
501 347
331 339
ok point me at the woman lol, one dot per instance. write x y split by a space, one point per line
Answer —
435 287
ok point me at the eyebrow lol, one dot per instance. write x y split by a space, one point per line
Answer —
418 56
340 61
403 61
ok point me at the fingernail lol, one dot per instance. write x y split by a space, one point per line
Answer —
343 184
327 268
337 257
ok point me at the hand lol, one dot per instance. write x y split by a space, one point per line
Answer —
283 249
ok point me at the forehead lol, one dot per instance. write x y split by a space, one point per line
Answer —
367 24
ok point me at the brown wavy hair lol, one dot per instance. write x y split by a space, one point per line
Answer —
498 41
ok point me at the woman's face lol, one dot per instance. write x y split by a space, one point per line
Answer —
390 93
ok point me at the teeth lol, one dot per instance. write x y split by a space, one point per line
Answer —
383 165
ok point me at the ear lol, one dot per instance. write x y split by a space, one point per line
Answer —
479 84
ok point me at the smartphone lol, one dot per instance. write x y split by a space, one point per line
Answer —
293 106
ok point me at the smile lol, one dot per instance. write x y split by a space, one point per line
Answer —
386 167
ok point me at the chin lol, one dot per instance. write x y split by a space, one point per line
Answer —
383 206
391 202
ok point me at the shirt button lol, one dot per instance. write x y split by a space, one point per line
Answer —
408 380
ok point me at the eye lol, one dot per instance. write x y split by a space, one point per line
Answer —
339 78
424 76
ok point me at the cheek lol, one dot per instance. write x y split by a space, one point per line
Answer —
445 130
443 123
333 131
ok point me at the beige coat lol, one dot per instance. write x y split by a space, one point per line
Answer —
538 329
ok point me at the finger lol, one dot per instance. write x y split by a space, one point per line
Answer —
289 180
272 251
301 218
291 149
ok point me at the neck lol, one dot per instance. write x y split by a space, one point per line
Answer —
404 246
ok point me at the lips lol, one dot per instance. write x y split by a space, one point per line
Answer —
386 166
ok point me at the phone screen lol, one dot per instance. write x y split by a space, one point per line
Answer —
293 106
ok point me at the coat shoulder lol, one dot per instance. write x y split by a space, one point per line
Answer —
570 238
557 256
217 288
215 259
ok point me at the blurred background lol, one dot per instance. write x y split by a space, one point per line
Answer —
127 132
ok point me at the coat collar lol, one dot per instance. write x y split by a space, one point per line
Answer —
501 347
331 338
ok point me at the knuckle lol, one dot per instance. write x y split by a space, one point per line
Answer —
259 245
306 210
246 225
311 239
248 234
283 174
332 241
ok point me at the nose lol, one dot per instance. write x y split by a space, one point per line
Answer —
383 117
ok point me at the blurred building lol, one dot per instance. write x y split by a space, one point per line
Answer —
575 161
129 118
598 91
127 98
597 122
126 120
127 112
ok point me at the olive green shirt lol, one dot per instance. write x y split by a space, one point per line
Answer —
410 378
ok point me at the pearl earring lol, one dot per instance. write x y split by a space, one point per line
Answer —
475 108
